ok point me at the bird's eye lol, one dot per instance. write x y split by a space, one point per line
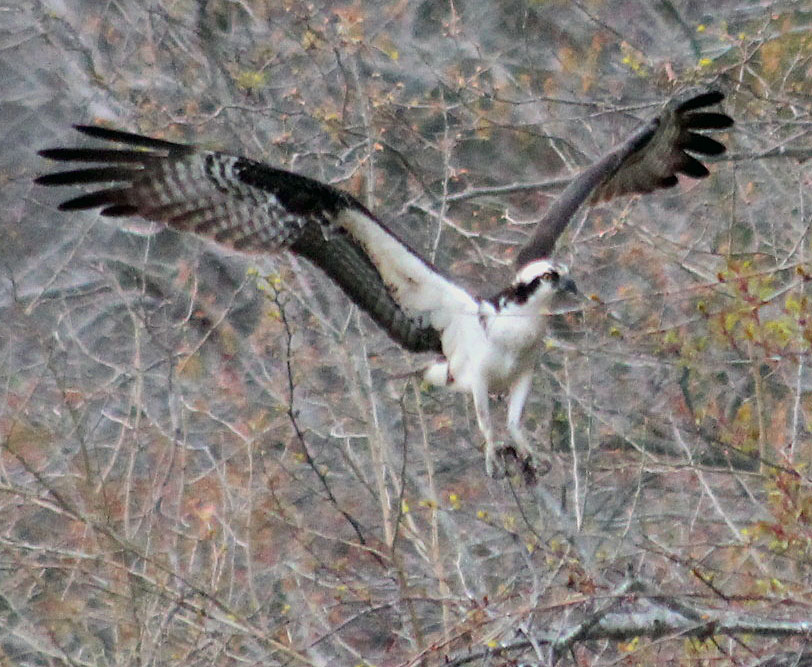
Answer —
550 276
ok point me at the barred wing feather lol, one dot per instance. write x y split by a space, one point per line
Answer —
253 207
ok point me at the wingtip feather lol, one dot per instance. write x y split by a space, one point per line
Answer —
119 211
45 179
108 174
89 201
130 138
692 167
701 100
704 120
699 143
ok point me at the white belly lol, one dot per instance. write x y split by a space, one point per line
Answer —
497 347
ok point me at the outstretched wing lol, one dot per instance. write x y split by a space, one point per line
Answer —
251 206
648 160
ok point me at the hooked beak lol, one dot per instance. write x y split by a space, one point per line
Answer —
568 285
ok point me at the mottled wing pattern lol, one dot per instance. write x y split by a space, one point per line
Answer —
251 206
648 160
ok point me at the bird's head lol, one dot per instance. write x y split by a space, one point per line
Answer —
542 280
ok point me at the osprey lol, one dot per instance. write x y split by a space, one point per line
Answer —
488 344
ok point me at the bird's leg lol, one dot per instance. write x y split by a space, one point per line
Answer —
531 462
483 418
516 400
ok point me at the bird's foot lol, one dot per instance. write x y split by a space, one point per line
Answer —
507 461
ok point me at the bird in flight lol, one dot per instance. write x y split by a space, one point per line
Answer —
488 343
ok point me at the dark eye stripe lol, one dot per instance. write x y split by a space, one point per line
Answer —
550 276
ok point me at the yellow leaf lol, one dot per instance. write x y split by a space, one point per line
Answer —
251 80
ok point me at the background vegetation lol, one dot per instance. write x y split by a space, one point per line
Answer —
209 458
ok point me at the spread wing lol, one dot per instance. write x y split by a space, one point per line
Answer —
648 160
251 206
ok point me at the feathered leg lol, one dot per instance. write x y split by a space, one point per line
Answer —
483 418
532 461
